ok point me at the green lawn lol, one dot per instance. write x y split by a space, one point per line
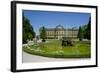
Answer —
54 48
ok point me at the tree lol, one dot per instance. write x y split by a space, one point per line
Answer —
43 34
88 30
28 32
80 33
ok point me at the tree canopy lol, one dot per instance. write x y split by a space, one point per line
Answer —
85 31
28 31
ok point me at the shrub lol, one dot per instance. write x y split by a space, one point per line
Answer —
67 43
43 40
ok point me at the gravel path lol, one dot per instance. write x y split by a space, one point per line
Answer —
28 58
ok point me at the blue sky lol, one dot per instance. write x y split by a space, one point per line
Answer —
50 19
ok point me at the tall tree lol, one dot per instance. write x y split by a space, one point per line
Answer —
88 30
28 32
43 34
80 34
87 33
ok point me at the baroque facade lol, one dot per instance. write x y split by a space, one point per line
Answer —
60 32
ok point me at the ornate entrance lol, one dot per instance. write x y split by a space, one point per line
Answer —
59 32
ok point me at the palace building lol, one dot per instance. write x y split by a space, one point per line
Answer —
60 32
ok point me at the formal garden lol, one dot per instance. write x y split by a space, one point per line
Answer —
63 48
53 48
